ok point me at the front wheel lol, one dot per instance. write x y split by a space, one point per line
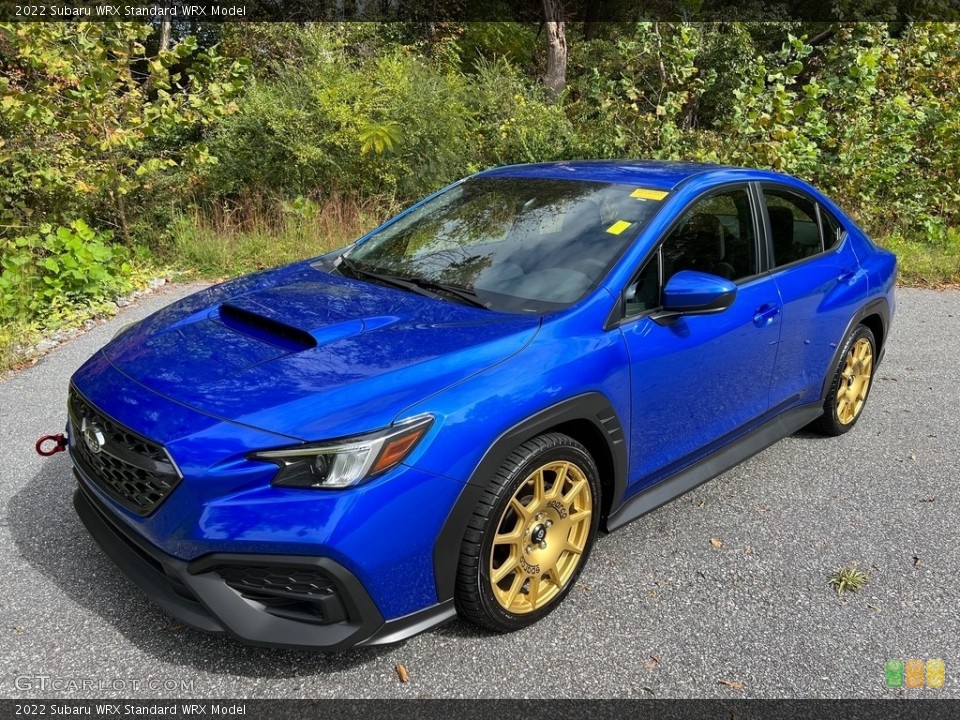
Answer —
851 383
530 535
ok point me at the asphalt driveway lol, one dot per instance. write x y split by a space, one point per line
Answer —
661 611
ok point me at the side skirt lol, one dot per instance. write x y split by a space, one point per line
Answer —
712 465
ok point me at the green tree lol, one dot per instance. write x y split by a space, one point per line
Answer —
88 120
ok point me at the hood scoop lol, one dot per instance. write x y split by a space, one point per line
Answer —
265 329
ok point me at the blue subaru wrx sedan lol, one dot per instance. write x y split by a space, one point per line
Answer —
440 418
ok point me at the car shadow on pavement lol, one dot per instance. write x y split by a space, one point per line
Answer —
51 539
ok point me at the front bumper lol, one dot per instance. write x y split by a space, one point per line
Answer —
323 607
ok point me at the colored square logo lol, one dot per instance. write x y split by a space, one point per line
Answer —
914 673
893 673
936 673
897 673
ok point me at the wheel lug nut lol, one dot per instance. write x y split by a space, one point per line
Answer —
549 523
529 548
543 545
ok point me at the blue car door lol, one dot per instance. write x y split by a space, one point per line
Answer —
699 380
818 277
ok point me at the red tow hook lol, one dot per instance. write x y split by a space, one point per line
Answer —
59 444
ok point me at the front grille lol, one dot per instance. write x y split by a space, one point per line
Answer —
136 472
299 593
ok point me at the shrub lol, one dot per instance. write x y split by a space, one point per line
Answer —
58 269
393 124
512 121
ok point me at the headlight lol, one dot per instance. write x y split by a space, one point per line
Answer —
346 462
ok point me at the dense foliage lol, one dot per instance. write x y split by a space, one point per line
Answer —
91 129
106 141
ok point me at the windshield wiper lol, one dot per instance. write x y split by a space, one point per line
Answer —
467 296
358 272
421 286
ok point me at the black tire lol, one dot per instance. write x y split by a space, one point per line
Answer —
851 384
562 460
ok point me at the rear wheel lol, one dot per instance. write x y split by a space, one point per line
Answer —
851 384
530 534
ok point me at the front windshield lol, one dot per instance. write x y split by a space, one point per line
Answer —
519 244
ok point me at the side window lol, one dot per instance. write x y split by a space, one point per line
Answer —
715 236
644 293
829 228
794 230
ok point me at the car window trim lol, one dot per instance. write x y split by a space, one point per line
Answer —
842 231
618 317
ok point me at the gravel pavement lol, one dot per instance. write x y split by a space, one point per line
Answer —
659 612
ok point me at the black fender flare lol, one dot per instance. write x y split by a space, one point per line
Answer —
877 306
592 406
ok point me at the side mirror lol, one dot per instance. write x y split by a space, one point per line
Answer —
691 292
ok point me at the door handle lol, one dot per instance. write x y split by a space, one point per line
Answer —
846 276
765 315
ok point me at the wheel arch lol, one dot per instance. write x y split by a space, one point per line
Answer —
588 418
597 444
877 327
875 315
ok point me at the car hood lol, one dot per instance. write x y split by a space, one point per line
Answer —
310 355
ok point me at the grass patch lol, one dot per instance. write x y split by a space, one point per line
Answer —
927 264
17 339
848 579
261 233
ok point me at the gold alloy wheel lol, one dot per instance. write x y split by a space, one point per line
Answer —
854 381
541 537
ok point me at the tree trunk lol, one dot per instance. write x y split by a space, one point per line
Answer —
165 27
556 76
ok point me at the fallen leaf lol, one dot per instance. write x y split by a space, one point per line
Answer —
402 673
648 690
176 627
732 684
716 542
653 662
928 499
761 509
916 561
748 550
912 456
875 608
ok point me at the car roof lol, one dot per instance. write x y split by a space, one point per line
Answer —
659 174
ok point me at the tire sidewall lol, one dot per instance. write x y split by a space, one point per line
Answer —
861 331
571 452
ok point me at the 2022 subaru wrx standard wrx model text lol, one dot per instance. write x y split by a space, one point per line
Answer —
439 418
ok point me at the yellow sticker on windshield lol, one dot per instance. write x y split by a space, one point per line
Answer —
645 194
618 227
